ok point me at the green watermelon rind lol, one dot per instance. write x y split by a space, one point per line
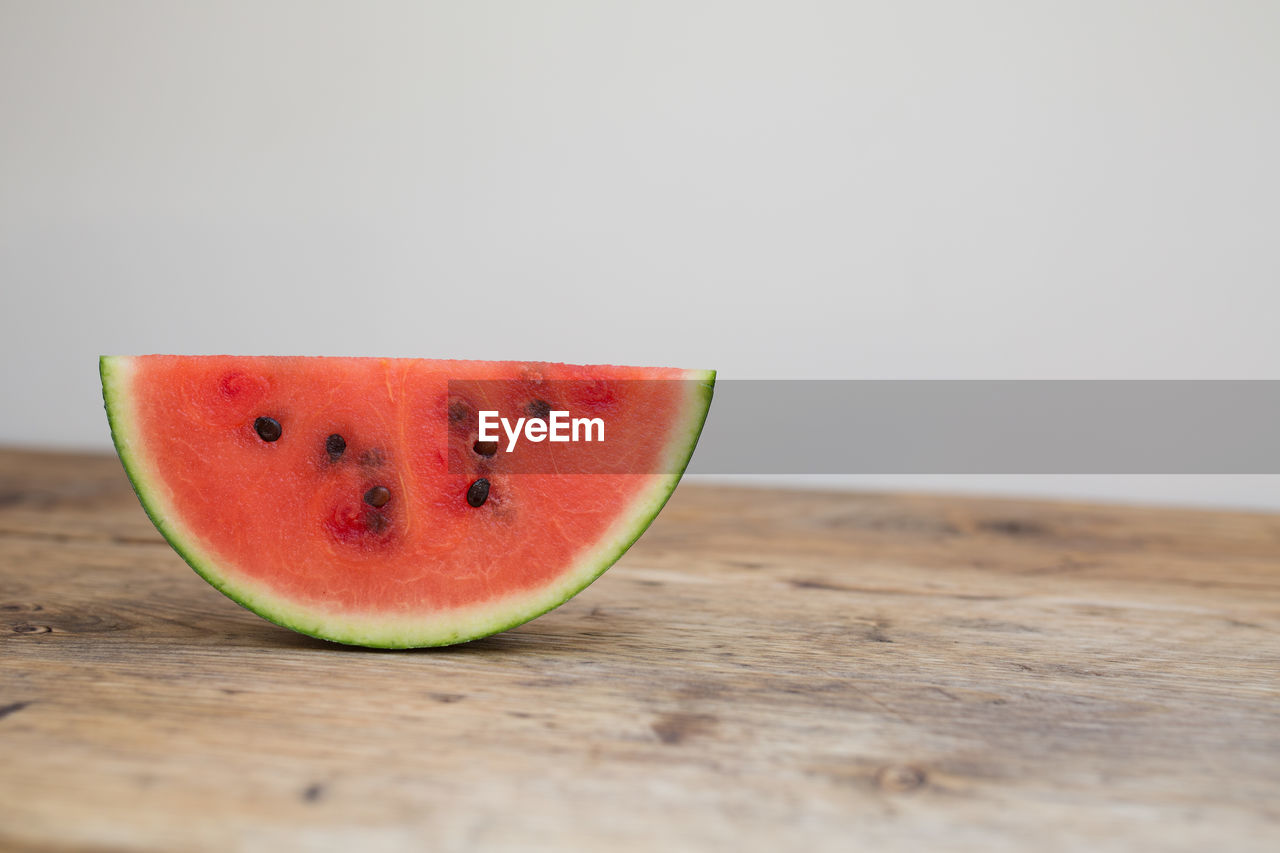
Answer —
410 631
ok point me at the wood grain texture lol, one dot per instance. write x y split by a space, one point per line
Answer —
764 671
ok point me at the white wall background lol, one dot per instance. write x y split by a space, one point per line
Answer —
787 189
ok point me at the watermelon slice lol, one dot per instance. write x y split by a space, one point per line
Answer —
350 498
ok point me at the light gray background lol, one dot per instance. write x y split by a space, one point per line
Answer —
786 190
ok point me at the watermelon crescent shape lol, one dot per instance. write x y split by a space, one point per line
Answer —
349 498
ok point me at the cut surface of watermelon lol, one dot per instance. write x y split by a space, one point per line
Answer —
349 498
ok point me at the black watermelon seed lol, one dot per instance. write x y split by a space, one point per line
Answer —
486 448
478 493
539 410
459 410
335 445
377 496
268 429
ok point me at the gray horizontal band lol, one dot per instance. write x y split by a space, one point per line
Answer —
992 427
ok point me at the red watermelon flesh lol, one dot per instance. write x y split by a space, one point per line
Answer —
372 538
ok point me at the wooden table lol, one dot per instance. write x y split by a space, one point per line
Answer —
765 670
